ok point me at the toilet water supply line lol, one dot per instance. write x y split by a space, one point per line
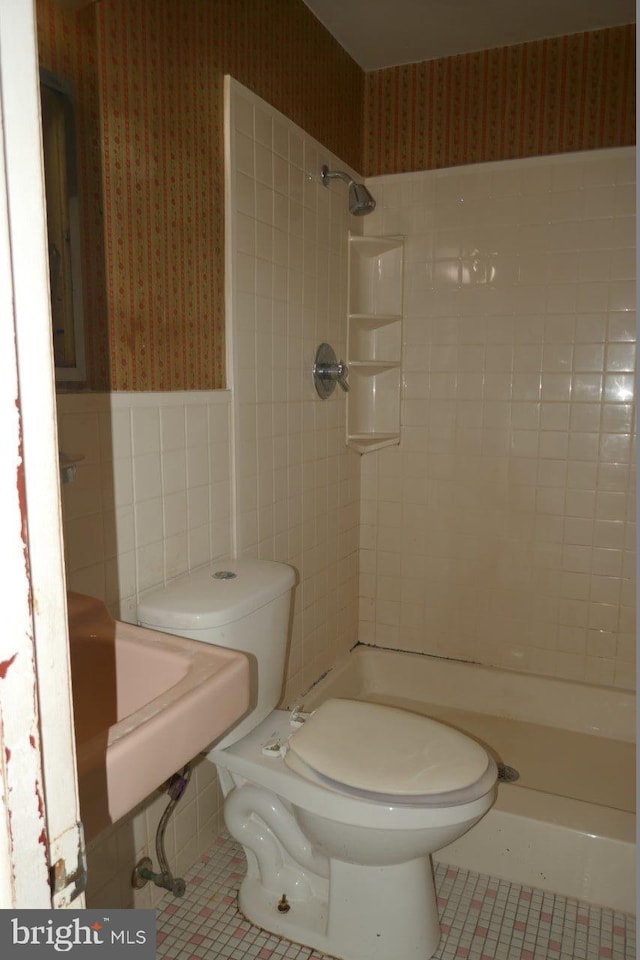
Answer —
143 872
241 807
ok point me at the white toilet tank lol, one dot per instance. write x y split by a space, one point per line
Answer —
241 604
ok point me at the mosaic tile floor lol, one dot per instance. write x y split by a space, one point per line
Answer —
482 918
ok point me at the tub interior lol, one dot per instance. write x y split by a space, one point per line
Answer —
595 764
567 824
561 762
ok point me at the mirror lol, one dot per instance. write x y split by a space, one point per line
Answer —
63 227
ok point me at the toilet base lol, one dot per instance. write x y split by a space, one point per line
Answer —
373 913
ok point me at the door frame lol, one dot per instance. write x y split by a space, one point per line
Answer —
41 848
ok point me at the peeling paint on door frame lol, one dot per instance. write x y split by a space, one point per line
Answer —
38 783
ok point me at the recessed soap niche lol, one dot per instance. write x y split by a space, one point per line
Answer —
374 341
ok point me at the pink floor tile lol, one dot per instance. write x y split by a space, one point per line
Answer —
207 917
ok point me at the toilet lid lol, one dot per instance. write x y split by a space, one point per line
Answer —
381 750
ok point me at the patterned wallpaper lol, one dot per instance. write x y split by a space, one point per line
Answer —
148 75
568 93
153 141
67 46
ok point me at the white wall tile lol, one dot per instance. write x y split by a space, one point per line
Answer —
145 430
279 421
517 418
132 505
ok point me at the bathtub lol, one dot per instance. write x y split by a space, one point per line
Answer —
568 823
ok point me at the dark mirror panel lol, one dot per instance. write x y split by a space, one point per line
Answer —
63 226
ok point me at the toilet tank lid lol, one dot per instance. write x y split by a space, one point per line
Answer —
215 595
383 750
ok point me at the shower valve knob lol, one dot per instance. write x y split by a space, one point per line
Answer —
328 370
334 372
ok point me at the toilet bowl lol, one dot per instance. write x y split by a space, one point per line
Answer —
352 862
337 812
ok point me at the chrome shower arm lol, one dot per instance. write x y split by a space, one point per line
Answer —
326 175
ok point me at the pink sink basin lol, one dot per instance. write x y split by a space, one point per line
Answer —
145 703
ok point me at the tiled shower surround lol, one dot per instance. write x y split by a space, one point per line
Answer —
297 486
502 529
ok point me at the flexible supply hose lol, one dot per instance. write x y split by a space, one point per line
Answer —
165 879
177 786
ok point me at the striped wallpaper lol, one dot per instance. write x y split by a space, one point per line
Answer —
568 93
148 76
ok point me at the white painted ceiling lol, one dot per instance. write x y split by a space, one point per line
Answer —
383 33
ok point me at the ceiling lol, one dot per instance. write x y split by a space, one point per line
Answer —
384 33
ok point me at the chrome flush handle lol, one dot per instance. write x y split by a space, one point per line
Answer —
328 370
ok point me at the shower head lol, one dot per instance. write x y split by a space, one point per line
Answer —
360 200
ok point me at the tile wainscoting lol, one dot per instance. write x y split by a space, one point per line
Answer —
152 495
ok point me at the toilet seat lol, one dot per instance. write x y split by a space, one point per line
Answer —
388 755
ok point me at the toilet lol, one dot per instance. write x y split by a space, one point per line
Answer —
337 810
